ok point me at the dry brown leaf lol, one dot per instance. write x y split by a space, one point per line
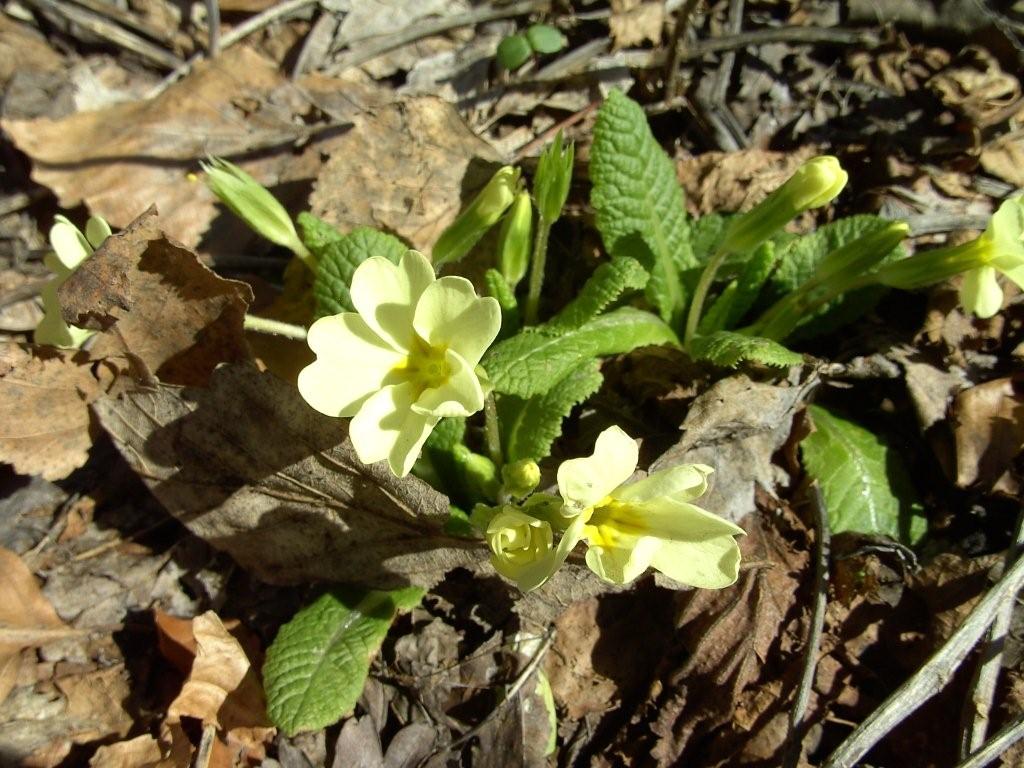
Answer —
45 394
224 689
1004 158
248 466
901 71
633 22
736 181
976 85
152 298
23 48
140 752
127 157
23 607
96 703
405 169
736 427
988 424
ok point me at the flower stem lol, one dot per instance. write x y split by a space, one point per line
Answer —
540 255
491 432
275 327
707 277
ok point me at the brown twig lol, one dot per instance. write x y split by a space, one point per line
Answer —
932 677
678 34
109 31
978 706
527 149
213 28
427 27
125 19
822 546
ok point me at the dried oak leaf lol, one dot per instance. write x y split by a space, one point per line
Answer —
988 424
1003 157
140 752
633 22
152 298
26 617
126 157
224 689
45 394
976 85
249 467
736 427
404 168
731 648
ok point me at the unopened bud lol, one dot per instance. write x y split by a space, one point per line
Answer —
814 184
521 477
554 175
482 214
516 239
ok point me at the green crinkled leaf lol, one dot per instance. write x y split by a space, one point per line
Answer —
337 262
532 361
609 281
798 260
639 203
319 661
729 349
316 234
863 479
530 426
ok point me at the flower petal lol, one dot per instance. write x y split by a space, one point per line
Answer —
710 564
386 428
683 483
980 292
460 395
96 231
68 243
621 564
584 482
672 520
450 314
352 363
386 295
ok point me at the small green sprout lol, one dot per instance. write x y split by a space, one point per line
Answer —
416 341
253 204
554 175
515 50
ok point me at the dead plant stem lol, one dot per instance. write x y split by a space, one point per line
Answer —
996 746
932 677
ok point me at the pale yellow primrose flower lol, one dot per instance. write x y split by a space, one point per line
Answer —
1003 241
631 526
70 249
404 360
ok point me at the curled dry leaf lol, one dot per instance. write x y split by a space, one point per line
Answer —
223 689
989 432
140 752
976 85
45 395
404 168
633 22
249 467
1003 157
26 617
153 299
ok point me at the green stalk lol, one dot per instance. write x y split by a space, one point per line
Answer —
275 327
491 432
700 294
540 255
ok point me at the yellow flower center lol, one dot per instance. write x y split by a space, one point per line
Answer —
425 367
609 522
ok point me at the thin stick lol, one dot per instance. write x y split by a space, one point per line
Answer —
822 546
527 149
242 31
275 327
513 689
125 19
932 677
999 743
23 293
978 706
109 31
678 34
733 26
428 27
213 28
936 223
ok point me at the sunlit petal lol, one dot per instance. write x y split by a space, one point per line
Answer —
685 482
451 315
385 295
710 564
584 482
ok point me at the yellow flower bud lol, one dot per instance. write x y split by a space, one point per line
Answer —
814 184
521 477
515 240
482 214
522 547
